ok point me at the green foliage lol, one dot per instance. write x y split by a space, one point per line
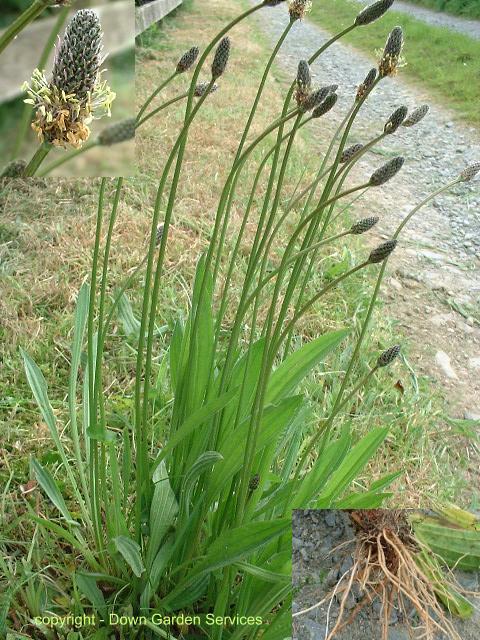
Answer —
466 8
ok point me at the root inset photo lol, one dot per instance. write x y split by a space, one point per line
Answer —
386 574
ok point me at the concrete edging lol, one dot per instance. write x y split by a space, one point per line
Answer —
152 12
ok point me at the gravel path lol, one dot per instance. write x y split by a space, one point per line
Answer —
319 561
437 264
469 28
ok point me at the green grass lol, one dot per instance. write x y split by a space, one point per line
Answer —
444 63
464 8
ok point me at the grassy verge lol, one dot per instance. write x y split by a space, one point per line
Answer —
464 8
445 63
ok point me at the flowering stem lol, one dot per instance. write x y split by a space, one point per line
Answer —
155 94
37 159
67 156
158 109
33 11
27 108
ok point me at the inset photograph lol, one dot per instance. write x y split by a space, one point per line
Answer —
387 574
67 87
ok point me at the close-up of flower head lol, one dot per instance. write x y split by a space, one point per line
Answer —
76 94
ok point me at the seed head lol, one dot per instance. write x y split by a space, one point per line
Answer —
202 87
298 8
388 356
254 482
373 12
187 60
349 152
303 83
395 120
116 133
382 251
382 175
220 60
470 172
79 56
363 225
326 105
367 84
416 116
391 53
315 99
14 169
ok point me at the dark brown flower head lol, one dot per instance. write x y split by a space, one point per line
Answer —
416 116
325 106
373 12
388 356
14 169
303 82
118 132
385 173
380 253
349 152
395 120
254 482
367 84
187 60
202 87
220 59
364 225
298 8
79 56
470 172
315 99
391 53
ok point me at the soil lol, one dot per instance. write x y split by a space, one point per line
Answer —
433 288
322 552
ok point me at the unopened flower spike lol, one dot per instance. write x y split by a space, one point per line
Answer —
76 94
386 172
203 87
470 172
328 104
380 253
388 356
395 120
366 85
349 152
14 169
391 54
298 8
187 60
221 57
373 12
303 82
364 225
416 116
117 132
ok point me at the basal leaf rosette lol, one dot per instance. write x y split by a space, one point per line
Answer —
76 94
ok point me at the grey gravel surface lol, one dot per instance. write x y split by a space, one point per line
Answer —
322 553
440 249
468 27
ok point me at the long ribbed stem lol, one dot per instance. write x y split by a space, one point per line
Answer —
154 94
27 108
160 108
66 157
37 159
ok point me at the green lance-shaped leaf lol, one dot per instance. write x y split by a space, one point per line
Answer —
87 584
351 466
205 461
131 552
48 484
458 547
296 366
163 511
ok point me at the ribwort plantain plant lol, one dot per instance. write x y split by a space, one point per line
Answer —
187 506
